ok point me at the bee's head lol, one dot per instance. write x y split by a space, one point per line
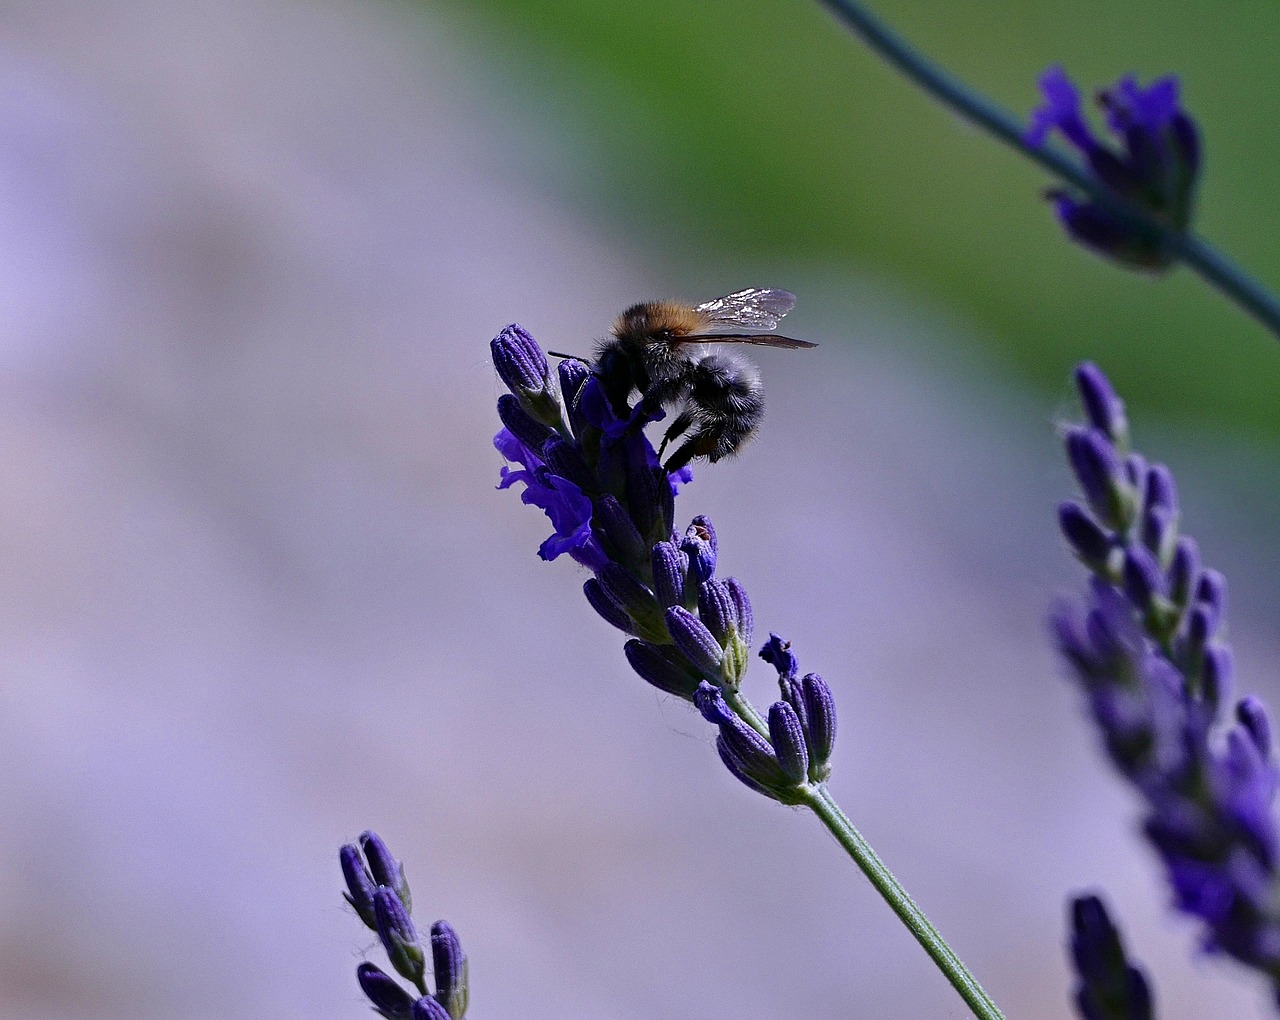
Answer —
653 321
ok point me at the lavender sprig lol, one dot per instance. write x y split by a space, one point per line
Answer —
589 466
1175 244
1109 986
1148 649
379 894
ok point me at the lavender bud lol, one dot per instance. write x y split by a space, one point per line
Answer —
700 545
820 712
718 610
609 610
1100 474
386 870
1104 409
736 768
1135 471
1216 675
398 935
1159 532
450 967
778 654
1161 490
573 376
663 666
710 703
388 998
669 566
787 737
521 424
1143 583
1086 537
564 459
634 598
1109 985
1252 715
646 486
360 884
746 618
426 1008
692 637
1184 570
520 362
619 531
1211 591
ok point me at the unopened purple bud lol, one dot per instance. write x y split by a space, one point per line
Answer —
564 459
609 610
386 870
692 637
648 496
820 710
360 884
1142 579
1159 532
664 666
1135 471
1104 409
633 596
1184 570
1087 538
1211 591
388 998
778 654
700 545
520 362
619 530
521 424
1217 673
717 610
669 567
426 1008
1252 715
710 702
573 376
737 769
399 936
450 968
787 736
746 618
1109 985
1099 471
1161 490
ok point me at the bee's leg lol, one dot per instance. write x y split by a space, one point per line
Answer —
701 444
677 428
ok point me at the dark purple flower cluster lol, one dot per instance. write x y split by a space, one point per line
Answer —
1154 168
1149 652
1109 986
585 460
377 890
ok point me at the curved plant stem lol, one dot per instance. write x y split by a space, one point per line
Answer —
822 804
1198 255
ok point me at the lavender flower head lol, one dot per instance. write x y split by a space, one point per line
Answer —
588 464
1147 647
1153 164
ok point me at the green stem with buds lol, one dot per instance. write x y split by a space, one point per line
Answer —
1194 252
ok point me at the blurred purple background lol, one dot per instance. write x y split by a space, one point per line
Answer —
261 594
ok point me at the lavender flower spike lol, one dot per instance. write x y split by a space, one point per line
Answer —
1152 165
1110 988
1148 652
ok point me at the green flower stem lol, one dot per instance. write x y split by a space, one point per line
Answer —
1194 252
822 804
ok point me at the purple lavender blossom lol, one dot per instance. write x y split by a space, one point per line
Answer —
1153 166
1147 648
376 886
590 466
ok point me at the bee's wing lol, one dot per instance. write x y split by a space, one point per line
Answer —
753 308
763 339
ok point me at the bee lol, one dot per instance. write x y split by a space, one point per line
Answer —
657 349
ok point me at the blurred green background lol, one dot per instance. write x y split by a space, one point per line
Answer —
764 132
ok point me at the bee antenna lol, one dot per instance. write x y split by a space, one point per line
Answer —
567 357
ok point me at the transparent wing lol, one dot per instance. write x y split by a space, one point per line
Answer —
753 308
762 339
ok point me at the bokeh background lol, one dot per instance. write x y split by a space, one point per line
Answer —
260 594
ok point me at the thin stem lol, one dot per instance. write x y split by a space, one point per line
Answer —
825 807
1194 252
